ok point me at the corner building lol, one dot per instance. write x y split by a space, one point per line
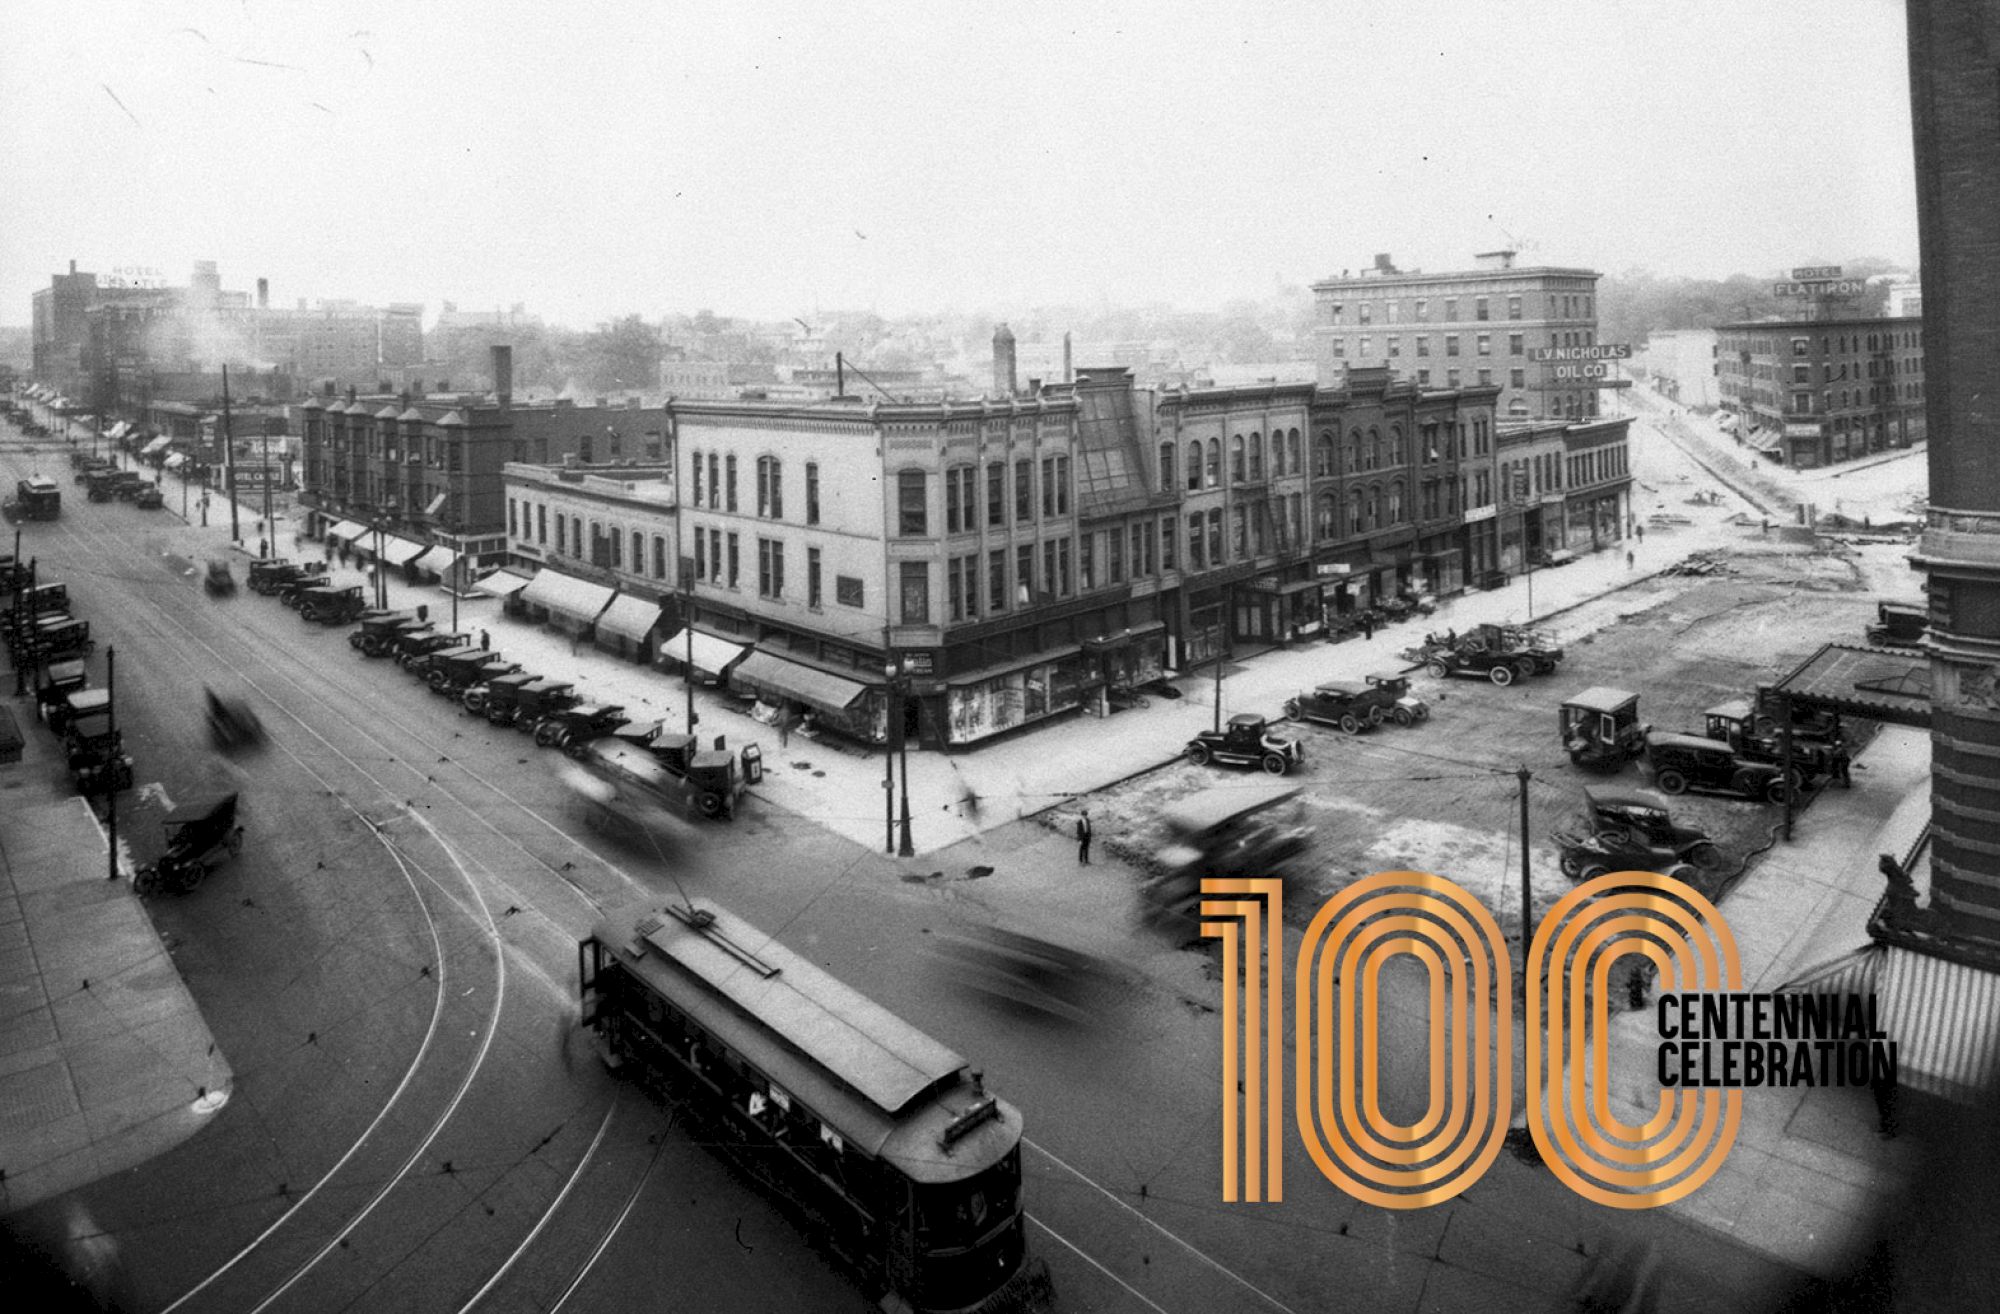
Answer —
1817 392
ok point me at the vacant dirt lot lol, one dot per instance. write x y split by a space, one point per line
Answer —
1443 796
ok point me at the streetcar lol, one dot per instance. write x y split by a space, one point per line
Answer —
894 1153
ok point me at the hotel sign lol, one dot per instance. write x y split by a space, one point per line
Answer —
1807 273
1820 287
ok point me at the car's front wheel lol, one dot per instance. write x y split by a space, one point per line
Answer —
1404 717
1670 781
1198 754
1501 675
1292 709
1436 670
1274 764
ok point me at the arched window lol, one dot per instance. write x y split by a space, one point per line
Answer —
1356 453
1396 503
1298 464
1277 455
1323 454
1236 459
1256 457
1397 453
1166 467
1194 465
1214 462
1354 513
1327 523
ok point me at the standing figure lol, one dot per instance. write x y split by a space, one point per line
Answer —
1083 838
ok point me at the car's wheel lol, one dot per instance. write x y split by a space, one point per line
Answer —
1501 675
1292 709
1592 870
1526 667
546 733
1350 723
1436 670
146 881
308 613
1670 781
1404 717
1572 865
1375 715
436 680
574 746
1683 873
709 805
1766 726
474 702
1705 854
1274 764
1198 754
1776 791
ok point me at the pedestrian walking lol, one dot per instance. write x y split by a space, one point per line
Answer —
1843 763
1639 531
1367 624
485 641
1628 559
785 726
1083 838
263 548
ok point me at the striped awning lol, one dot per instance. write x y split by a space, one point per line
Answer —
1856 973
629 618
158 444
1945 1020
567 595
348 530
711 654
177 460
397 550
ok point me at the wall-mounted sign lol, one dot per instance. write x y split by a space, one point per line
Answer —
1806 273
1602 351
132 276
1802 430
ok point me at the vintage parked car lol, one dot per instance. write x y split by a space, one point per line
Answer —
497 698
149 498
1502 668
1600 728
454 670
1585 857
376 636
196 833
92 749
1899 625
411 647
572 728
1641 817
1807 722
53 687
1345 703
1391 692
1247 741
331 606
288 577
1732 723
1683 762
540 700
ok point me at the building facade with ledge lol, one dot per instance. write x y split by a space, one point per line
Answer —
612 525
1816 392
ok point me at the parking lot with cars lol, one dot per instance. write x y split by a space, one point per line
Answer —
1443 794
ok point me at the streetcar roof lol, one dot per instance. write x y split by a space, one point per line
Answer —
859 1066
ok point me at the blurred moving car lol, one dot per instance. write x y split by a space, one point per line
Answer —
1255 830
232 726
1027 973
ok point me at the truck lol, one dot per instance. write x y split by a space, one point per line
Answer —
38 498
628 785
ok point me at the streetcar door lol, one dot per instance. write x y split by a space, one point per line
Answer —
900 1261
589 961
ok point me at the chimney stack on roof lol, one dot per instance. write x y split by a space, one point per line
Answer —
503 374
1003 361
263 294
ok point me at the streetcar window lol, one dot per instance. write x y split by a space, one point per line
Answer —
960 1211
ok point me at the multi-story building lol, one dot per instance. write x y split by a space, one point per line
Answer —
1679 364
610 525
1477 328
432 469
1820 391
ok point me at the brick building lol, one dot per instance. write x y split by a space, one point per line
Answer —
1820 391
1474 328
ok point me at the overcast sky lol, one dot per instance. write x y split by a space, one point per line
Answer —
591 158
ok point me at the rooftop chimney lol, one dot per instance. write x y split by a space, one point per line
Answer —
1003 361
72 266
1383 264
1069 370
503 374
263 294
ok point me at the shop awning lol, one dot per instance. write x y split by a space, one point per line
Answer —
347 530
397 550
119 430
1945 1020
1014 664
629 618
439 559
1763 439
1107 642
711 654
176 461
501 584
159 444
578 599
808 684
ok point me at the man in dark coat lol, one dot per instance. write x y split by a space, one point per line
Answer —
1083 838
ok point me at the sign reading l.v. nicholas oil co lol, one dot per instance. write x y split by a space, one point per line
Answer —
1714 1040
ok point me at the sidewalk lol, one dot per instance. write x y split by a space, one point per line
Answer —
838 784
1808 1174
104 1058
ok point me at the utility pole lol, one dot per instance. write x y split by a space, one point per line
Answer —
111 778
888 743
1221 640
1527 888
271 528
229 463
1791 799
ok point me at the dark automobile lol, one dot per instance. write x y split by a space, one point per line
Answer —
232 726
1732 723
540 700
331 606
411 647
1586 857
196 833
713 780
1641 817
93 750
149 498
572 728
377 636
1344 703
260 572
219 581
53 687
1683 762
288 576
498 699
1026 973
1391 692
455 670
1807 722
1899 625
1242 830
1246 741
1600 728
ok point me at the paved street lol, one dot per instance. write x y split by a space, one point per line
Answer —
388 969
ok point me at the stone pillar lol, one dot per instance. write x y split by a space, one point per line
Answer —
1955 103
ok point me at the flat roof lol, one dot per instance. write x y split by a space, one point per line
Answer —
1885 684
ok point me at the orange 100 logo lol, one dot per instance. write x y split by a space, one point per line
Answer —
1336 1083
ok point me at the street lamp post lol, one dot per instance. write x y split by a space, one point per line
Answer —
899 686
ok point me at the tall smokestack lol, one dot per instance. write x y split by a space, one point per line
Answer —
1069 369
1003 361
263 294
503 373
